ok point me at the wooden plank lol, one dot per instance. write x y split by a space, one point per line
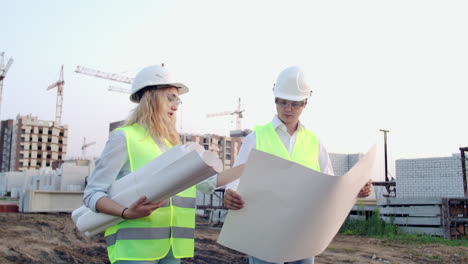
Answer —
434 221
459 199
409 201
364 208
425 210
445 218
422 230
8 208
459 220
366 202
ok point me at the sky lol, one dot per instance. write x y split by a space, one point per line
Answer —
395 65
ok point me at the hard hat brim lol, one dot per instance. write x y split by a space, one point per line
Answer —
183 89
291 97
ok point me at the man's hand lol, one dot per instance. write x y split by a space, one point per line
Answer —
140 209
233 200
366 190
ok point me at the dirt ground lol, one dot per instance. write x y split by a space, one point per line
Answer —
53 238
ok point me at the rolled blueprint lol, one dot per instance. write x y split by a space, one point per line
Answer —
172 172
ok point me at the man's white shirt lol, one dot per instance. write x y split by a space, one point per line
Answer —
287 140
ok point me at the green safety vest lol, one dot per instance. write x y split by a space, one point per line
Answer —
305 151
151 237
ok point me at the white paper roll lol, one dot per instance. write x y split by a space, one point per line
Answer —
172 172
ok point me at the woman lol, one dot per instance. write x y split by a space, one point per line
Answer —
159 233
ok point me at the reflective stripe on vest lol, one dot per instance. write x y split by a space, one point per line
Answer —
305 150
184 202
149 233
172 225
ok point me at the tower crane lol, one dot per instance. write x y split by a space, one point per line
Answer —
104 75
86 145
3 71
58 108
108 76
238 112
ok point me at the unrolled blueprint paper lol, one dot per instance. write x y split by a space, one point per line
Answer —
291 212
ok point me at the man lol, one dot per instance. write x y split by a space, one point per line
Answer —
287 138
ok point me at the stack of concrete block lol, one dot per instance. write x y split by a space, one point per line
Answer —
430 177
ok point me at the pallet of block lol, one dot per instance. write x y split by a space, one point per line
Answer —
363 209
455 217
414 215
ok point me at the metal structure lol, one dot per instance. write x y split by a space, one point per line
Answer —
463 164
86 145
119 89
385 149
389 184
238 112
104 75
108 76
3 71
213 207
455 217
59 106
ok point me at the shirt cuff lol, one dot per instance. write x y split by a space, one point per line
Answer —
209 185
93 200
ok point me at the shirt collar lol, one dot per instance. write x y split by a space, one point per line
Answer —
277 123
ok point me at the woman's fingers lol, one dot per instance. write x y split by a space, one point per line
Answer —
138 202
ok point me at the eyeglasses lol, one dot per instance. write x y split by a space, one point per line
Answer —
174 99
293 104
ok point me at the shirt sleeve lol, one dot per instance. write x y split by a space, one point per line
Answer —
112 161
324 161
244 152
209 185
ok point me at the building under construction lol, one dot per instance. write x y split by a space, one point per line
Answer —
30 143
226 147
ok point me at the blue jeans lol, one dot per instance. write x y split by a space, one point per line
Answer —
254 260
168 259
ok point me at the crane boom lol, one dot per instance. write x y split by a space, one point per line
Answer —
118 89
238 112
221 113
3 72
104 75
86 145
4 68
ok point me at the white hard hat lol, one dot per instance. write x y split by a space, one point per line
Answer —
292 85
153 76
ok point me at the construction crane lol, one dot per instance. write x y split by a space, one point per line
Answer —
86 145
58 107
3 71
104 75
118 89
238 112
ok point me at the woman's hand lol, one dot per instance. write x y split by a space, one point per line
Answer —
141 209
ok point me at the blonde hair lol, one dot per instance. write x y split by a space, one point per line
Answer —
148 113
